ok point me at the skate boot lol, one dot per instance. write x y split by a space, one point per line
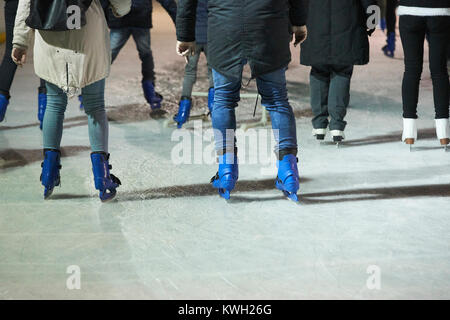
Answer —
152 97
319 133
288 179
42 105
184 111
211 92
105 182
50 177
389 48
225 179
80 98
338 136
409 135
4 101
443 132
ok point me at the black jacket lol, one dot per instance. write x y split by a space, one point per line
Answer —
140 15
256 30
337 33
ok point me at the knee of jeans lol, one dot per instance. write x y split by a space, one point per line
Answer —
93 104
56 103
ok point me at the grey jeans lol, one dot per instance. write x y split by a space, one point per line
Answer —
330 95
190 72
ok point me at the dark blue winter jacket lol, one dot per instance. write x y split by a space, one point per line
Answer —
140 15
201 25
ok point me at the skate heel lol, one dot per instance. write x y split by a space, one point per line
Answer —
319 133
225 179
443 132
50 177
153 98
184 112
409 136
288 180
105 182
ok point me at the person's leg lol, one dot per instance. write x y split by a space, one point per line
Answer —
226 98
438 30
273 90
319 84
391 17
412 32
339 96
52 128
143 44
190 73
119 38
8 67
94 106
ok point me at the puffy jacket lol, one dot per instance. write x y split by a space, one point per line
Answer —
337 33
70 59
256 30
141 14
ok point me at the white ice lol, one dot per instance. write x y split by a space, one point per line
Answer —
169 236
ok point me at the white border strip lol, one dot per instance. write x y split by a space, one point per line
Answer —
422 12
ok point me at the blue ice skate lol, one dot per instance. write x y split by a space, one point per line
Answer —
211 92
288 179
184 112
227 176
389 48
3 106
80 98
50 177
105 182
152 97
42 105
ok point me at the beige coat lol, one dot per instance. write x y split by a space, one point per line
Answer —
70 59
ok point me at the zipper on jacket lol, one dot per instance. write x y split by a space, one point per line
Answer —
67 75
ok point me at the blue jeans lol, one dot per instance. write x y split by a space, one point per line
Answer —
94 106
141 37
273 90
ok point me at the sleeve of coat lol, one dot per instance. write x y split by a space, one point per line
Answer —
171 7
22 32
186 16
121 7
298 12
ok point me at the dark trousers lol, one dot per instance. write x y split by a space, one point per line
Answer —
330 95
141 37
8 67
413 30
391 17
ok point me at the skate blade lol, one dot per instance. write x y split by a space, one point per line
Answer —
225 194
110 196
291 196
48 194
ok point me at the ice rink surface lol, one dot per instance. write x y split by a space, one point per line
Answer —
369 204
